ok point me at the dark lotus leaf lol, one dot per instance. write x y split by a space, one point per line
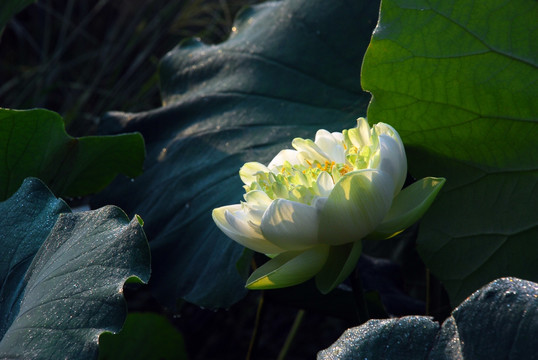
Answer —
499 321
63 274
288 69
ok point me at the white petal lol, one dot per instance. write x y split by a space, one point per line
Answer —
325 184
308 150
283 156
290 225
338 136
361 135
319 202
392 160
249 170
256 203
382 128
331 146
356 206
365 132
258 197
232 221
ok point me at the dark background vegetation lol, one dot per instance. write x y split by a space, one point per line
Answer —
82 58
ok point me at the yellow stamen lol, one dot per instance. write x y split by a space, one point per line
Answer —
353 150
344 170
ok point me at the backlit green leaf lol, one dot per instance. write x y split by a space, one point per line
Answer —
144 336
458 80
33 143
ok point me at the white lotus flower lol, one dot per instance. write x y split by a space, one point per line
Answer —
310 207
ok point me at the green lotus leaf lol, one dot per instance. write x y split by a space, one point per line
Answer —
63 274
458 81
27 219
35 144
143 336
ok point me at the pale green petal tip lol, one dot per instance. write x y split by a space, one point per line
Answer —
408 207
218 215
362 121
288 269
248 172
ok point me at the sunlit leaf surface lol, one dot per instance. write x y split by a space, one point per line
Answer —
458 80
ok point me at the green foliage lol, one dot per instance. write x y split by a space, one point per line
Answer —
34 143
27 219
458 79
10 7
287 70
499 321
62 274
144 336
82 58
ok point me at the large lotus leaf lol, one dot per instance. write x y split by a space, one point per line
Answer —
144 336
499 321
63 280
34 143
26 220
458 80
8 8
288 69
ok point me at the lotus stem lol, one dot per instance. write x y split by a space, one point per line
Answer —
428 290
360 301
254 337
291 335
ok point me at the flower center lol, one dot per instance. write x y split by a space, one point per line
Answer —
305 182
298 182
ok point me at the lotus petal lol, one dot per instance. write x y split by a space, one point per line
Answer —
290 225
392 160
409 206
249 170
357 204
232 221
288 155
340 263
330 146
289 268
309 151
